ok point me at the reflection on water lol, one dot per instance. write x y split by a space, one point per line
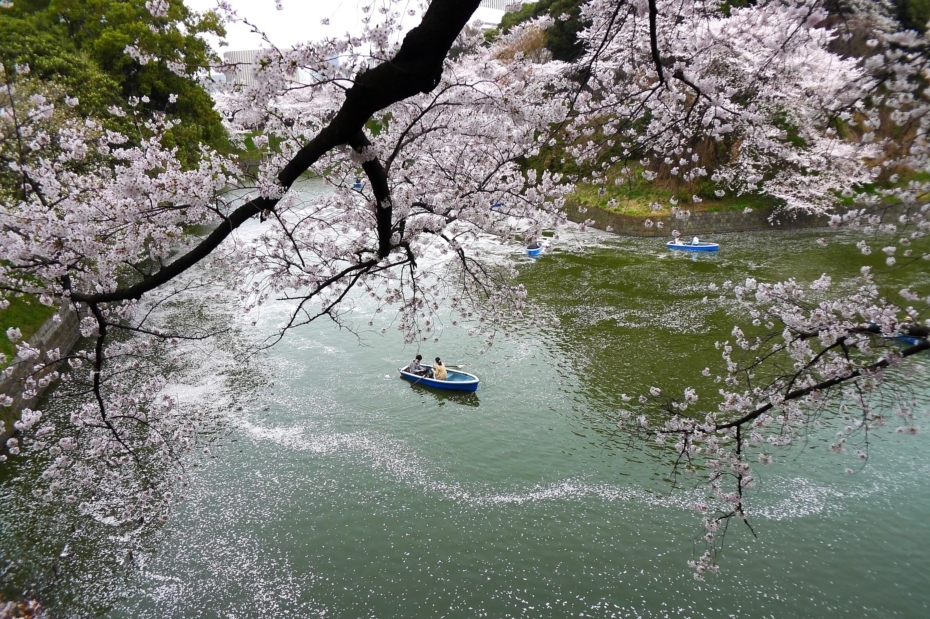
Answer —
443 396
351 497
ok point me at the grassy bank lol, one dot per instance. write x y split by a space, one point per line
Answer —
631 194
26 314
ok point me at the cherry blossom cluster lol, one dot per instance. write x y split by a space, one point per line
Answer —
85 212
447 157
768 99
821 355
745 98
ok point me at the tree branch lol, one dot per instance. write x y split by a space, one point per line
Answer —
417 67
799 393
654 40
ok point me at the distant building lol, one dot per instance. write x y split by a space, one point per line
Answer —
490 12
244 61
503 5
245 71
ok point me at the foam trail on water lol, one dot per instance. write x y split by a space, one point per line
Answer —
782 498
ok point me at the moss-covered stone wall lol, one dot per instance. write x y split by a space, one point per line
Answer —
62 334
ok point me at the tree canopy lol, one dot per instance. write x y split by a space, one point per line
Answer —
913 14
103 53
562 36
746 99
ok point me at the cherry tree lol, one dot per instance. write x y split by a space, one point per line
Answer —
743 97
763 99
96 220
433 168
417 138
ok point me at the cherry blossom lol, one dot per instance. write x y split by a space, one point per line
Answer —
418 134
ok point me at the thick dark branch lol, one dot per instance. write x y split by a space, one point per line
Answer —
166 274
98 369
915 330
417 67
98 359
384 208
654 40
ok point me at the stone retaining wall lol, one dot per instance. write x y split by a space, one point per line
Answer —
62 335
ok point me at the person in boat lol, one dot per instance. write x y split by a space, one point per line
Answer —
417 368
439 370
533 245
695 241
909 328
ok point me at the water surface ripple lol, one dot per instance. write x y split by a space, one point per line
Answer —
341 491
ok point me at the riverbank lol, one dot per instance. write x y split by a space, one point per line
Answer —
25 313
705 222
61 331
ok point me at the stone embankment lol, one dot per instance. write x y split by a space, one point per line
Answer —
62 334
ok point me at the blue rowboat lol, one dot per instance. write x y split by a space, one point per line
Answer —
692 246
455 381
534 252
909 339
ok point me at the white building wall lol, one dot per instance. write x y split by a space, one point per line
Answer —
243 59
490 12
500 5
245 68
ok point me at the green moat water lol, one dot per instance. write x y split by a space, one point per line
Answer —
341 491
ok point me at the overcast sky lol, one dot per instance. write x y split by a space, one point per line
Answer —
300 19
